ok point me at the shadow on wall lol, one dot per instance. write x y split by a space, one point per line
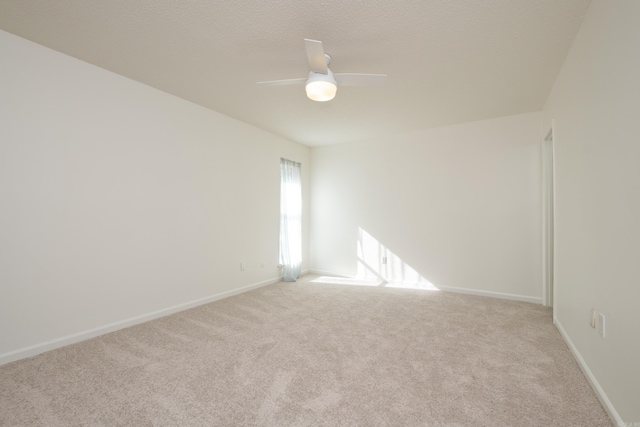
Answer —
378 266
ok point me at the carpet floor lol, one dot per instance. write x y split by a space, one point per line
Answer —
313 354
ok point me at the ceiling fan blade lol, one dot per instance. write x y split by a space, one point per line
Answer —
358 79
315 53
284 82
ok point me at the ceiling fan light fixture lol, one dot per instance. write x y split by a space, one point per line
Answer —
321 87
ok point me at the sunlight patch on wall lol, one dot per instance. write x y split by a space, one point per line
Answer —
376 261
378 266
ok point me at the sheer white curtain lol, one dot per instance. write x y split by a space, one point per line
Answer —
290 220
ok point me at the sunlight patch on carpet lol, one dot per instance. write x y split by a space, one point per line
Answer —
355 281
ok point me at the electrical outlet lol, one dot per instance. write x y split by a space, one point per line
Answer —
384 259
593 318
242 266
601 324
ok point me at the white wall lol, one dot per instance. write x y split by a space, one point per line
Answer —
596 106
118 200
456 207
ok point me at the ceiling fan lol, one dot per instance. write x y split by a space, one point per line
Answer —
322 84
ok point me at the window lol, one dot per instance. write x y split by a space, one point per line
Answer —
290 220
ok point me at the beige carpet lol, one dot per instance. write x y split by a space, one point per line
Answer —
310 354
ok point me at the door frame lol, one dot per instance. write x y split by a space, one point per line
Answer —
548 220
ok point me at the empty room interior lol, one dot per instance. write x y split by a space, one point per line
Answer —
463 247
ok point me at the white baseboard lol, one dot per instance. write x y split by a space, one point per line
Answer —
36 349
491 294
606 403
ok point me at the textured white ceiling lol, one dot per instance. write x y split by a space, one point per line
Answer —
448 61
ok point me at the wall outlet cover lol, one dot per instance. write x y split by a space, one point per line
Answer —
601 320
